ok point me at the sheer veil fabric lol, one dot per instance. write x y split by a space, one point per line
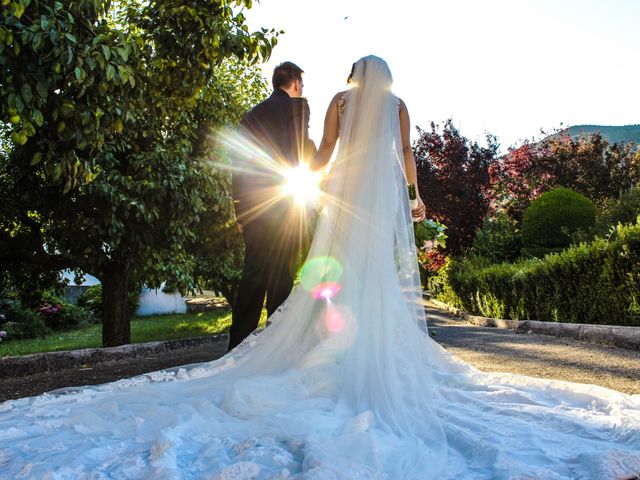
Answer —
345 383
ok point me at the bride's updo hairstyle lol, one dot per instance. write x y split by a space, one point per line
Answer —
370 67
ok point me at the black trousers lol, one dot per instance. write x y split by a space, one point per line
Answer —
271 257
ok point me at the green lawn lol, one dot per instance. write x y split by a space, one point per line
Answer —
143 329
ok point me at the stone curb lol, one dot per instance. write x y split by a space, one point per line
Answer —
614 335
45 362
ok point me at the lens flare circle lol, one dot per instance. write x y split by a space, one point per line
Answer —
334 321
336 327
320 270
326 291
302 184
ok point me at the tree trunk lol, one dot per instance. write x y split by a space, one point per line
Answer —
116 326
229 292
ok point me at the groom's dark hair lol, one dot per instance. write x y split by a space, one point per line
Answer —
285 74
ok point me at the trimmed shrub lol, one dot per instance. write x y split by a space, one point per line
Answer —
589 283
554 218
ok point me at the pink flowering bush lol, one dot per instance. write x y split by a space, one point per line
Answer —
59 315
3 333
18 322
50 310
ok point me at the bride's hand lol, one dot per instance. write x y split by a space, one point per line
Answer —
420 212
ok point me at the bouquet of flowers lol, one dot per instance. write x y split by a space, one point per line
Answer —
429 233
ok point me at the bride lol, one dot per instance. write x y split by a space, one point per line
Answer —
345 383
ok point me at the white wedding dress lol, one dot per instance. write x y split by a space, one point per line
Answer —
344 384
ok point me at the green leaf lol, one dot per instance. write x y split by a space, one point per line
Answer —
124 75
41 88
110 72
124 53
29 129
27 94
106 52
57 172
37 157
19 138
18 104
18 9
38 119
37 41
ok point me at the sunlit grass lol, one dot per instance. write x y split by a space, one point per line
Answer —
143 329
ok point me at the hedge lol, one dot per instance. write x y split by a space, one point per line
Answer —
598 282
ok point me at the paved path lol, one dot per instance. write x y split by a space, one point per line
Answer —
489 349
503 350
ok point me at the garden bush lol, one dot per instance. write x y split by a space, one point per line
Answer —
18 322
597 282
624 209
61 315
498 240
554 218
92 300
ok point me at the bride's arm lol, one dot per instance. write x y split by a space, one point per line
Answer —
409 161
329 137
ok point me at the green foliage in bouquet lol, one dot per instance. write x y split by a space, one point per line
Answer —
430 234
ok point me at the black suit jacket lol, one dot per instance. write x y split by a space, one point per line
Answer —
277 128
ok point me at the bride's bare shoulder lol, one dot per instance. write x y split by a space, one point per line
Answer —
401 105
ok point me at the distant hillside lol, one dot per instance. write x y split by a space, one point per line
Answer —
620 134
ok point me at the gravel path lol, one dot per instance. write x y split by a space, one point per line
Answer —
489 349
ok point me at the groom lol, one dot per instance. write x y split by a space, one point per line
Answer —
277 133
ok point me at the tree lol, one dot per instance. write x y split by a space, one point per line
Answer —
218 246
453 179
517 178
587 164
107 103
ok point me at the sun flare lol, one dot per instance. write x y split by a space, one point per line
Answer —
303 184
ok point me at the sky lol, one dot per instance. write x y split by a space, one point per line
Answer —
507 67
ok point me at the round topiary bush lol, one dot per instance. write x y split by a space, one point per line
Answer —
553 219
